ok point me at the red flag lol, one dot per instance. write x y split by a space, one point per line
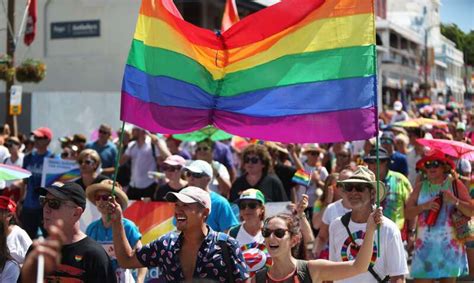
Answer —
231 15
30 29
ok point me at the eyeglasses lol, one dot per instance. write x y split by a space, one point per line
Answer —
279 233
168 168
202 148
250 205
195 175
357 188
102 197
104 132
433 164
52 202
253 160
86 161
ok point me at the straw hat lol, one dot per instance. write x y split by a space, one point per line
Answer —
106 185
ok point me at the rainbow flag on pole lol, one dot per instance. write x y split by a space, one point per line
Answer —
302 177
297 71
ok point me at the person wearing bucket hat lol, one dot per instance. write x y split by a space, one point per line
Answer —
249 233
398 188
347 232
82 258
101 230
196 253
17 240
435 196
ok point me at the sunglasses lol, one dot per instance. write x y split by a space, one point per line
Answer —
279 233
250 205
357 188
102 197
253 160
433 164
167 168
10 144
195 175
104 132
202 148
86 161
51 202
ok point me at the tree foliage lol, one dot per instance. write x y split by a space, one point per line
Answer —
463 41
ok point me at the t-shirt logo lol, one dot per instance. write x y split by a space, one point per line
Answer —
350 250
256 256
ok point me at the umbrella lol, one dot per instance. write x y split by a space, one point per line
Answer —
418 122
453 148
8 173
454 105
208 132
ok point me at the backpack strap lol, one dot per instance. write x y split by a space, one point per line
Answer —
345 219
222 242
234 231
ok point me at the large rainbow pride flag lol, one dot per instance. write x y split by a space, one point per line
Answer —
297 71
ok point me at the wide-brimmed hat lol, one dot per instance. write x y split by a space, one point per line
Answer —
309 147
432 156
106 185
364 176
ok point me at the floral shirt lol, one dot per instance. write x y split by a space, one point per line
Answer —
210 264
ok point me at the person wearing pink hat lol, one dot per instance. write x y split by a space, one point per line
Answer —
172 166
32 213
436 194
18 240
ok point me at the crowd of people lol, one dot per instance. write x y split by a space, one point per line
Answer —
330 229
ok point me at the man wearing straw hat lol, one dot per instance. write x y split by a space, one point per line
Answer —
196 253
347 232
101 230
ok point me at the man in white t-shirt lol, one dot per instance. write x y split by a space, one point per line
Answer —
360 190
399 115
143 153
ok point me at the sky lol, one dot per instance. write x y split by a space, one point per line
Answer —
460 12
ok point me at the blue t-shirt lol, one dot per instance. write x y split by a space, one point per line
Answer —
399 163
107 153
210 262
33 162
221 152
103 236
222 217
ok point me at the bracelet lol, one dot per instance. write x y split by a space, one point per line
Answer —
457 203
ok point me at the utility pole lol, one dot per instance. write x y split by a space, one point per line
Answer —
10 52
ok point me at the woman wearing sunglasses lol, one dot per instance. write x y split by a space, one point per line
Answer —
438 255
258 173
282 234
172 166
101 229
89 164
249 234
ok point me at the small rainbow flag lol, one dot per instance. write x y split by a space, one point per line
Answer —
302 177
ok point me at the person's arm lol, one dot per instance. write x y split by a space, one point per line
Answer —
141 274
329 270
126 256
412 208
49 248
306 231
397 279
462 202
297 161
321 240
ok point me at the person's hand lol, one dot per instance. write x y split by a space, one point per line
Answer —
302 205
449 197
49 248
329 194
154 139
431 205
375 218
290 147
114 210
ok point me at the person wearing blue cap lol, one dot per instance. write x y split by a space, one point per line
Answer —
398 161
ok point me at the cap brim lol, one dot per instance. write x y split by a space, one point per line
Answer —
195 170
174 197
55 192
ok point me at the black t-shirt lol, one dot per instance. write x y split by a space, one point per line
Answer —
270 185
97 180
285 174
162 190
85 261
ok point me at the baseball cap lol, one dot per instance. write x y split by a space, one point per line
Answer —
383 155
191 195
461 126
68 191
387 135
43 132
251 194
200 166
175 160
8 204
397 105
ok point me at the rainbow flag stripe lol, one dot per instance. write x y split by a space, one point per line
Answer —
301 177
297 71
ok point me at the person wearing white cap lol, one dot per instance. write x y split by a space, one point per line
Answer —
199 173
399 115
197 253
